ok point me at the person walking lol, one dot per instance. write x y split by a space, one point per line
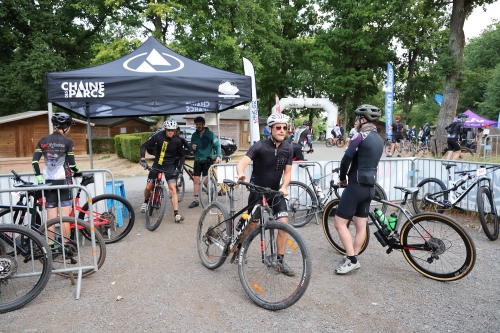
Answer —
455 130
397 135
266 132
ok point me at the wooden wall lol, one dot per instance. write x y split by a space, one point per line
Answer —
229 128
19 138
100 131
131 126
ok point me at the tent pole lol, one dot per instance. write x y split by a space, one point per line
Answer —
51 127
218 125
89 135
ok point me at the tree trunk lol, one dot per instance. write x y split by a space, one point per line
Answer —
345 99
456 52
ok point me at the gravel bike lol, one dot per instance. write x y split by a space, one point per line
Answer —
434 196
259 269
433 244
306 201
25 266
340 142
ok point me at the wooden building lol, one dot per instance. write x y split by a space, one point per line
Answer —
109 127
20 132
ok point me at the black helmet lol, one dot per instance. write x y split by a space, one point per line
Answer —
62 120
306 123
462 115
199 119
369 112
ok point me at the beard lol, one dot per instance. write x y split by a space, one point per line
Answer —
277 139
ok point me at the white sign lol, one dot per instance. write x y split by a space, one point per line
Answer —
481 171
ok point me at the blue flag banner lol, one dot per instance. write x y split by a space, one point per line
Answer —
389 97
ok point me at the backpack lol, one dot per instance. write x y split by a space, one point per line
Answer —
399 128
451 128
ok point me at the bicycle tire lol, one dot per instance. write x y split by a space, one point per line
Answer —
72 255
379 194
340 143
329 142
17 290
388 147
156 208
210 248
429 186
448 242
214 188
181 188
115 210
19 219
487 212
302 204
331 233
264 284
465 150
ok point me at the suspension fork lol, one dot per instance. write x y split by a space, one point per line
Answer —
263 232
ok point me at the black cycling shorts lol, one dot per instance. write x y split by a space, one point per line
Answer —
355 201
201 168
453 144
52 198
168 172
396 138
276 202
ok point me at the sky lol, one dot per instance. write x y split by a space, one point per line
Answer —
479 20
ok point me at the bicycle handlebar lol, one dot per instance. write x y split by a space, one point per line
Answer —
253 187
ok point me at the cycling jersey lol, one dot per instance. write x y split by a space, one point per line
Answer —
167 150
363 156
398 130
59 157
269 162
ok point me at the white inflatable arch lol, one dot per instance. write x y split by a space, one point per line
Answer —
313 103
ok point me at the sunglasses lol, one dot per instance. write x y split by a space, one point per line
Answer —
280 127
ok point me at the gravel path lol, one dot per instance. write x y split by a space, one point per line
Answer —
165 288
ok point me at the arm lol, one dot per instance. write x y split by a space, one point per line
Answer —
356 140
287 176
34 163
180 151
216 144
240 167
146 145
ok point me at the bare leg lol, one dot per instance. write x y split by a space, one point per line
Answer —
147 191
172 187
196 185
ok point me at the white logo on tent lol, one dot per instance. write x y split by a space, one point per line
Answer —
155 62
229 89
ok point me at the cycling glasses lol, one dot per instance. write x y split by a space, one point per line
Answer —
280 127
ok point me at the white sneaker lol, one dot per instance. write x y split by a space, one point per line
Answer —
347 266
179 218
144 207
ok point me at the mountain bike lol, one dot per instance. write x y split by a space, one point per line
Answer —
156 203
306 201
259 270
113 215
25 266
433 244
434 196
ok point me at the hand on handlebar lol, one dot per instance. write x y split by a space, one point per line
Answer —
217 160
144 164
343 183
241 177
284 191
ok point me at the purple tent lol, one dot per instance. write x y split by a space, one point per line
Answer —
475 121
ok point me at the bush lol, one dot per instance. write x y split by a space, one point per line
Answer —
118 145
131 148
102 146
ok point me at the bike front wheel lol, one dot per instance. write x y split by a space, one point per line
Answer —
329 142
487 213
114 216
18 286
71 246
340 143
156 208
302 204
331 233
433 187
212 235
437 247
265 282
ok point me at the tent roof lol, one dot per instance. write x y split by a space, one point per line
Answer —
475 121
152 80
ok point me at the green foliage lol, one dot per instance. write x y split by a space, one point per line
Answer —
491 105
118 145
131 147
102 146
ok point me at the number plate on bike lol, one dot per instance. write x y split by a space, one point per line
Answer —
481 171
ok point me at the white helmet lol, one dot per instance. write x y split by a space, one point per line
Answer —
277 118
170 124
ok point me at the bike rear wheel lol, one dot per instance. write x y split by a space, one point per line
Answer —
17 286
156 207
114 216
331 233
212 235
302 204
329 142
429 186
447 254
181 187
340 143
388 147
487 213
77 246
265 283
208 190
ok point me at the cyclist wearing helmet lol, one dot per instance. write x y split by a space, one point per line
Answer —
359 164
455 131
272 165
203 143
169 152
426 133
59 156
303 135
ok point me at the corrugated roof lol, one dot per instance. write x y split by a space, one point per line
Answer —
30 114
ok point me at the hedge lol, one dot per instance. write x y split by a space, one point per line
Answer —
129 145
102 146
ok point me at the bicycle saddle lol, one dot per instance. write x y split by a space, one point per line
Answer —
229 182
449 165
409 190
87 178
306 165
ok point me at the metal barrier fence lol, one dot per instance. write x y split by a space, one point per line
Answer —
8 218
405 172
489 146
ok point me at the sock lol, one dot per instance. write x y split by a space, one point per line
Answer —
195 198
176 212
280 258
353 259
146 200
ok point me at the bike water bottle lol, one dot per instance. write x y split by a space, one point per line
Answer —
379 214
317 178
391 222
241 222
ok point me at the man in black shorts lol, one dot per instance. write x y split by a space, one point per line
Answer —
168 151
359 163
397 135
455 130
272 160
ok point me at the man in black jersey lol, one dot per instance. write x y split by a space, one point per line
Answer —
59 156
168 150
359 163
397 135
455 130
272 161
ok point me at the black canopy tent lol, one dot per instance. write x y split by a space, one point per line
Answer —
152 80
